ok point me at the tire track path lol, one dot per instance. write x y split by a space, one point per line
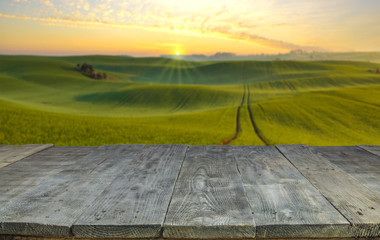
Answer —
245 100
238 125
252 120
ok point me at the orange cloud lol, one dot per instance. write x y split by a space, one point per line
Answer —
206 28
274 25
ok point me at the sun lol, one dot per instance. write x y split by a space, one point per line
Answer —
177 53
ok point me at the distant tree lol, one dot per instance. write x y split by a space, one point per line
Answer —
84 67
98 75
89 70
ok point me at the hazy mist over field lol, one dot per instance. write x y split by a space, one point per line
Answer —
95 72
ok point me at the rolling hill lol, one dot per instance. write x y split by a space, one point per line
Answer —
159 100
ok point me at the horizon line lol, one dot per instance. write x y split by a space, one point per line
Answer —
142 55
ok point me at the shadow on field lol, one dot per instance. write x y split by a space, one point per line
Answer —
103 97
143 98
172 98
130 97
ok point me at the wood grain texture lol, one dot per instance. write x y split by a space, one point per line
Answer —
24 175
124 191
15 237
285 203
375 149
134 205
357 162
51 208
13 153
209 199
359 205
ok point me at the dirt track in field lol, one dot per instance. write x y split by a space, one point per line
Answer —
237 122
252 120
245 100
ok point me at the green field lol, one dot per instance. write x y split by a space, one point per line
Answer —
158 100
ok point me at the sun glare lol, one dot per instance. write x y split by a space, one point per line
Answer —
177 53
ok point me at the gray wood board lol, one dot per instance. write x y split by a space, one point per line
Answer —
359 205
375 149
51 208
285 203
24 175
134 205
18 237
13 153
358 163
209 199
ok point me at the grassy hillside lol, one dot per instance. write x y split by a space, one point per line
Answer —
172 71
322 118
20 125
156 100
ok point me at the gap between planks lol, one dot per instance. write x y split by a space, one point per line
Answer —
357 203
12 153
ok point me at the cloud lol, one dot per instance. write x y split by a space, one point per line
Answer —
47 3
217 18
68 24
14 16
65 21
221 31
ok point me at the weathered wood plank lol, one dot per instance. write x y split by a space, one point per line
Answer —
358 163
359 205
136 202
375 149
13 153
18 237
285 203
51 208
209 199
21 176
50 159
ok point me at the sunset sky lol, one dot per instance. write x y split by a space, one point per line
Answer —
154 27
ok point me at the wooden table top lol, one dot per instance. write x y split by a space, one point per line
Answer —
197 192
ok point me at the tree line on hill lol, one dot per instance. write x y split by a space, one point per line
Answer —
88 70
